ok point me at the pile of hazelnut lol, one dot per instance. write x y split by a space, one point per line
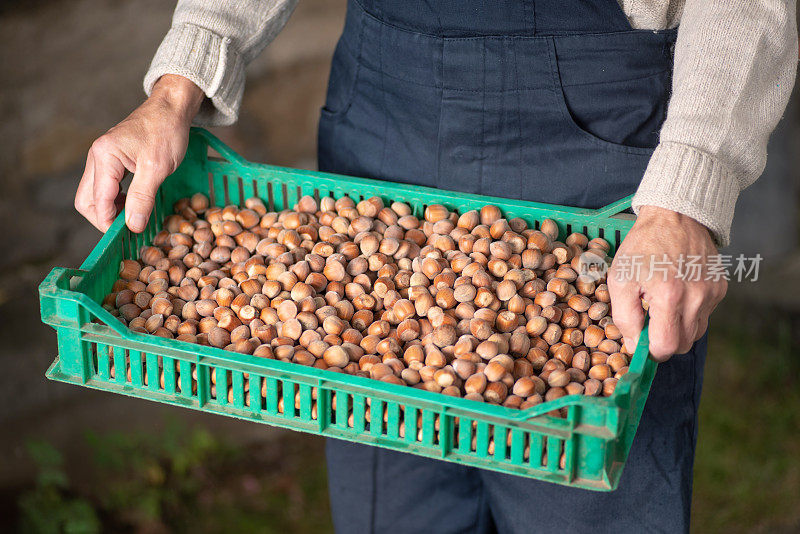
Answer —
470 305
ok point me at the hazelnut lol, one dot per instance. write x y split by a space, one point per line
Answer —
129 269
444 335
550 228
597 311
592 387
336 356
495 392
490 214
473 304
436 212
609 385
593 335
600 372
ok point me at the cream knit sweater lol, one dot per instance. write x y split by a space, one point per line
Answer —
735 63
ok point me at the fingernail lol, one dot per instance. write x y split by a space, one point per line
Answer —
136 222
630 346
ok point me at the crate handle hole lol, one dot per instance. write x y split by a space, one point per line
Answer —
213 155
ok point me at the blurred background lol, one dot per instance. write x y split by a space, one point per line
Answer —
72 459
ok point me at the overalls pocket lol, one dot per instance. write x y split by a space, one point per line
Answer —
612 89
344 74
593 129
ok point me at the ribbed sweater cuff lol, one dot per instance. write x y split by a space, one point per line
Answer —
210 62
688 181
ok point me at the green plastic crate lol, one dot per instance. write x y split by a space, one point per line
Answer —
595 436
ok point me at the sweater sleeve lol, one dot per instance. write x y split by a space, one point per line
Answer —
210 43
735 63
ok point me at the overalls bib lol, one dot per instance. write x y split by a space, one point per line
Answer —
556 101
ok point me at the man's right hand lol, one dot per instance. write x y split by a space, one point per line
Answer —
150 143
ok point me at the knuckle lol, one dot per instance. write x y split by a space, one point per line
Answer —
621 321
699 333
615 281
662 346
140 196
702 326
696 301
621 316
102 144
146 163
721 290
153 163
670 295
669 349
80 205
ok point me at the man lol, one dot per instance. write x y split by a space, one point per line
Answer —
561 101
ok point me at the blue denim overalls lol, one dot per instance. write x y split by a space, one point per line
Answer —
557 101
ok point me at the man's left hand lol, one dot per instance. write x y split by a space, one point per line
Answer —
679 306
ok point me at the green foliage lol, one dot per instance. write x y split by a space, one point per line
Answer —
48 508
49 462
184 480
181 480
747 474
146 475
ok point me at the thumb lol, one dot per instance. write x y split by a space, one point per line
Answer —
627 312
141 194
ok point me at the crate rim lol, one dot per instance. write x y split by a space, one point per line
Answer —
612 210
52 286
112 330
